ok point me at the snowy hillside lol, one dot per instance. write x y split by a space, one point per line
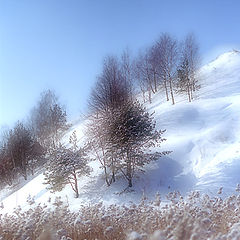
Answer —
204 137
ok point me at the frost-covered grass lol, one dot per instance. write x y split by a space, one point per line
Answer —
193 217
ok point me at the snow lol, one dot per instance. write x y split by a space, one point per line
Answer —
204 137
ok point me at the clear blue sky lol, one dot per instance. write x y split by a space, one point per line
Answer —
60 44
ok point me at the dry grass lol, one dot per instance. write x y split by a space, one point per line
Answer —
196 217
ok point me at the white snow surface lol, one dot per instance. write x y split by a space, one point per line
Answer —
204 137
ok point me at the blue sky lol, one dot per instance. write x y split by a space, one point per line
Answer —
60 44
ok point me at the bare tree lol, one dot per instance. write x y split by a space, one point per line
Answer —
6 166
145 75
127 70
184 83
155 67
19 146
111 91
49 119
99 144
19 153
141 81
167 56
189 65
191 53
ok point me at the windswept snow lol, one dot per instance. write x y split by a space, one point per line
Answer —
221 77
204 137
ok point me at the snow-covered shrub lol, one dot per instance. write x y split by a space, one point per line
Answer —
65 166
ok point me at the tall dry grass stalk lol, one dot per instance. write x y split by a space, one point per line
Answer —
195 217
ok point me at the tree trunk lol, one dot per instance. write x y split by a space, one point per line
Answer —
106 177
193 85
165 86
76 185
152 87
155 82
130 182
189 94
113 176
32 170
24 166
77 193
153 91
113 169
171 91
149 94
13 161
129 171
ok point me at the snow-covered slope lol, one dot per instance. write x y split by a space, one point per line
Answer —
220 78
204 136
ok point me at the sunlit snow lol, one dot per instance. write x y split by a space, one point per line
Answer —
204 137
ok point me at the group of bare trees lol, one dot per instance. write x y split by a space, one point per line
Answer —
112 90
120 131
189 64
170 66
22 148
18 153
48 120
